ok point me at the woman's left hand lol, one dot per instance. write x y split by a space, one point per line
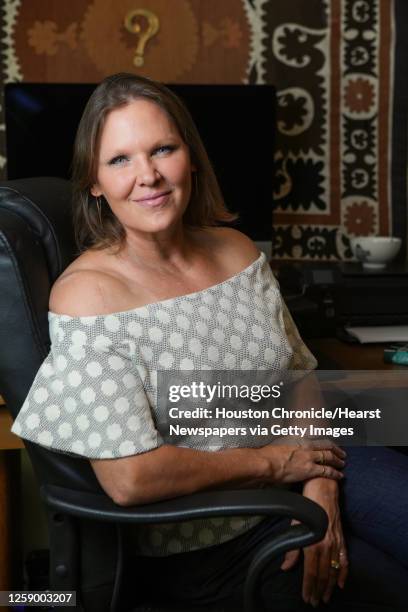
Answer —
319 575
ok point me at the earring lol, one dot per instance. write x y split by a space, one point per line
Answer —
99 207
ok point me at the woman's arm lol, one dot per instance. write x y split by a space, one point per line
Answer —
171 471
319 576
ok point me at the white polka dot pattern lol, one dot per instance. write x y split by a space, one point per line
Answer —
94 395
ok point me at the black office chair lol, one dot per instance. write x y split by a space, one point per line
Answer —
85 526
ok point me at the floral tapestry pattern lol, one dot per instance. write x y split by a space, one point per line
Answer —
333 74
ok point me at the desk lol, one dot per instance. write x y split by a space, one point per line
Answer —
8 440
10 549
339 355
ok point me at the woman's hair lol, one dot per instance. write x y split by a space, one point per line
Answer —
95 224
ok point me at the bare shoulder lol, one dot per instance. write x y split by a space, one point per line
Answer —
234 247
83 290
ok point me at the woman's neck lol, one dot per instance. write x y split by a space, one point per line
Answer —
172 251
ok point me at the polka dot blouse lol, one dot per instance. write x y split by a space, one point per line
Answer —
94 395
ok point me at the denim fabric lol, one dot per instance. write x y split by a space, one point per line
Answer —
375 499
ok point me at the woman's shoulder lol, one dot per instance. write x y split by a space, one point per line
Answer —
93 284
87 287
233 248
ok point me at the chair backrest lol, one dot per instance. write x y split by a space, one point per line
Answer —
36 245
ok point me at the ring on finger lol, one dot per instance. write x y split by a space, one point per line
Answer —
324 470
321 458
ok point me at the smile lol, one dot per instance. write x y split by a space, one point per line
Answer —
153 200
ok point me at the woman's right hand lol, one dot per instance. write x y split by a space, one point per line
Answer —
313 459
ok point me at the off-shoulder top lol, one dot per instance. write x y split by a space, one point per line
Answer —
94 396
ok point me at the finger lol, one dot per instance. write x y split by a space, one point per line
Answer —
332 578
337 576
342 577
331 583
327 457
309 573
338 451
325 471
332 459
323 572
290 560
328 445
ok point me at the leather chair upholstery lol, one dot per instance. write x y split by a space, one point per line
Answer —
36 244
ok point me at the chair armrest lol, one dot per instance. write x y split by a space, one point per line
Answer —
270 502
266 502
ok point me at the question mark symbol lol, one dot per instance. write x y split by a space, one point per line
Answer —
133 25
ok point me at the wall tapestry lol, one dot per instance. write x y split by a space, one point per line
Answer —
332 63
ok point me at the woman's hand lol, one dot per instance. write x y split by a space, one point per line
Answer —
319 577
314 459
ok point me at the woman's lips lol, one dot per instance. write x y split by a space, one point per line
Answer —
151 201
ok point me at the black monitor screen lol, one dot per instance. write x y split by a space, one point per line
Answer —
236 123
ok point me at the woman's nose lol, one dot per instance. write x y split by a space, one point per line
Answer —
146 172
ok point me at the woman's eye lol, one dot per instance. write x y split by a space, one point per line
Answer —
119 159
164 150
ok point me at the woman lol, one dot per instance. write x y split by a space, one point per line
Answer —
160 285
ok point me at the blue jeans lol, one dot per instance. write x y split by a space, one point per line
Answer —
374 499
374 502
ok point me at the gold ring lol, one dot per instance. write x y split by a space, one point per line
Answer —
321 459
335 564
324 470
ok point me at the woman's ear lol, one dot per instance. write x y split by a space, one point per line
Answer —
95 191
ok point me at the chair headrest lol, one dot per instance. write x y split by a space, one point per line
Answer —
45 205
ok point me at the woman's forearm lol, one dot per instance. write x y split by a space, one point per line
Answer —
171 471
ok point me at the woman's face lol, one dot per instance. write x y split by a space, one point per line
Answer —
143 168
